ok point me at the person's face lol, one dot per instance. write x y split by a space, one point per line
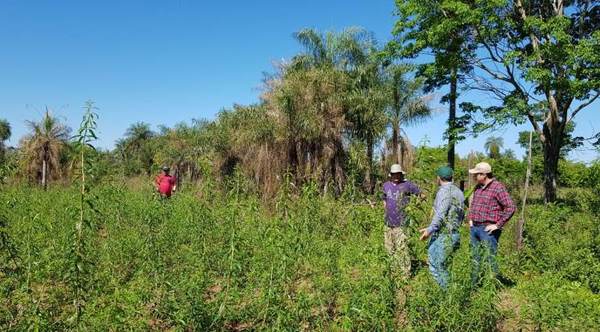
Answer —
480 178
438 180
397 177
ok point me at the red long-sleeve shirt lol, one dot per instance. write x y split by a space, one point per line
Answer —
165 184
491 203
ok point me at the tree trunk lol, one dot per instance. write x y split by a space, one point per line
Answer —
552 145
395 144
44 171
401 154
369 170
337 163
521 222
452 117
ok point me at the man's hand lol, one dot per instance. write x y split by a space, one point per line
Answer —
491 228
470 223
424 234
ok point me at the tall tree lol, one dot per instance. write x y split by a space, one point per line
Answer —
541 61
42 148
367 97
306 99
437 29
408 107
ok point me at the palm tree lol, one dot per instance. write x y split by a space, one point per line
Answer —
408 108
319 49
135 145
5 133
493 145
367 99
42 148
136 135
306 101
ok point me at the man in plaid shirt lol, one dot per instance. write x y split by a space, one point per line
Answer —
489 211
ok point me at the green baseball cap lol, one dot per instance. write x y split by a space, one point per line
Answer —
445 172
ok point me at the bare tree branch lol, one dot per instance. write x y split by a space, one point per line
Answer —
584 105
536 126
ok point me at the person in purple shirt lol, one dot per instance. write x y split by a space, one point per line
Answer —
396 195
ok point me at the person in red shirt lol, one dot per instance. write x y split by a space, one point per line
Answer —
490 209
165 183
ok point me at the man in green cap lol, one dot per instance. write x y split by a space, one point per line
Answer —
448 215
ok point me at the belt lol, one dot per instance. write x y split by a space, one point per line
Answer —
478 223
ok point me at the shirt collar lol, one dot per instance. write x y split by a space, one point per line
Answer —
487 185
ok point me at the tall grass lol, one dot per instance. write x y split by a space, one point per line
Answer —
228 261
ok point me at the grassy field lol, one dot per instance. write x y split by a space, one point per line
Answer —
225 260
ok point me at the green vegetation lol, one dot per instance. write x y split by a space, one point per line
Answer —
537 59
226 261
277 222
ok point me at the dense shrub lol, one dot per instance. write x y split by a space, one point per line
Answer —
225 260
563 242
552 304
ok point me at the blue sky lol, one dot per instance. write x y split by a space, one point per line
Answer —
164 62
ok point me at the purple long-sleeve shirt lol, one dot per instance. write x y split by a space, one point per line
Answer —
396 197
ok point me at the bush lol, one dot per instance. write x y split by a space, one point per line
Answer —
563 242
553 304
572 175
306 262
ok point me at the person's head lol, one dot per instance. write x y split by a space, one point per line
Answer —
166 170
396 173
444 174
482 172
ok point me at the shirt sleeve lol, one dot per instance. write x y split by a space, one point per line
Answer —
508 207
440 209
415 189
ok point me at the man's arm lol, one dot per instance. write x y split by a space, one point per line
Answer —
440 210
508 206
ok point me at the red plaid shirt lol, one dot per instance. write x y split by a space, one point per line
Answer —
491 203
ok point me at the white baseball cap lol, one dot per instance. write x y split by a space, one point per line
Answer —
482 167
396 169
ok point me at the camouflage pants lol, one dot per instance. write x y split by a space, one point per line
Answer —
396 244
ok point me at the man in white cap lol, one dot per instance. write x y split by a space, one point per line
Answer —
489 211
396 195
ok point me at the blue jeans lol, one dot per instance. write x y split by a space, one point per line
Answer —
440 251
484 247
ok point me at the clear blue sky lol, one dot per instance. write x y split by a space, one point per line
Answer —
168 61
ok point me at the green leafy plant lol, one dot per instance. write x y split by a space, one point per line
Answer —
80 274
